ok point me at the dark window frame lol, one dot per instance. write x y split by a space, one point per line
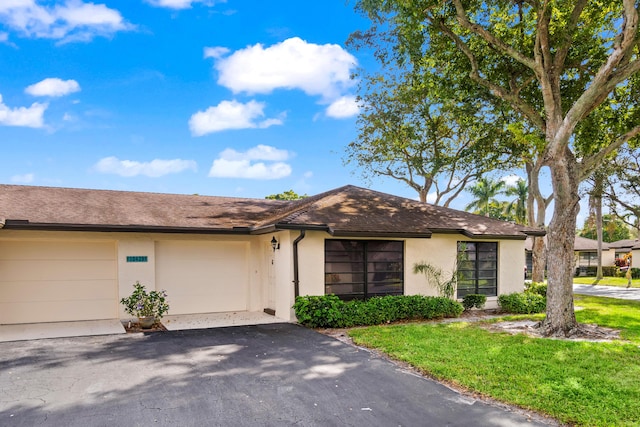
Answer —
591 258
367 267
479 270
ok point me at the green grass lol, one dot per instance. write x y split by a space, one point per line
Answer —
582 383
612 313
607 281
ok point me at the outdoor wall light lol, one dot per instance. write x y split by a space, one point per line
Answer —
274 243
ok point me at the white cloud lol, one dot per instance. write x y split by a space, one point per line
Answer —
32 117
293 64
53 87
343 107
259 152
230 115
180 4
235 164
215 52
511 180
23 179
153 169
74 20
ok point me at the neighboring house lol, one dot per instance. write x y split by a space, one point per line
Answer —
623 247
585 254
71 254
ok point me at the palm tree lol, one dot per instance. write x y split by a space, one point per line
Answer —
484 191
518 206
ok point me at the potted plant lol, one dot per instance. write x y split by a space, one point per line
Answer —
148 307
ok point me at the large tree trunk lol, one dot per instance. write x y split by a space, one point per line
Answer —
598 202
536 211
561 320
539 260
597 205
423 195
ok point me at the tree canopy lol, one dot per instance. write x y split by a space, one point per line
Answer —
484 193
613 229
287 195
548 65
622 188
408 132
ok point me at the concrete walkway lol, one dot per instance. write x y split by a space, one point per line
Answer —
608 291
34 331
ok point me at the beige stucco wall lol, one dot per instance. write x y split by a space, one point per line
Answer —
635 258
269 274
440 250
258 253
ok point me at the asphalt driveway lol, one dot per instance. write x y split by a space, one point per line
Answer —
266 375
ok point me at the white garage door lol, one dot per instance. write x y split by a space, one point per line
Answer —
203 277
54 281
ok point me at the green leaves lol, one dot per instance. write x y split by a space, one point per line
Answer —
328 311
142 303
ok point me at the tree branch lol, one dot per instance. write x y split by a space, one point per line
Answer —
590 162
461 15
497 90
610 73
563 50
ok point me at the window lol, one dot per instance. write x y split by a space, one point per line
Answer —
360 269
587 258
477 268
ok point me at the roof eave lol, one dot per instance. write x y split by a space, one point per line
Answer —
26 225
346 233
471 235
397 235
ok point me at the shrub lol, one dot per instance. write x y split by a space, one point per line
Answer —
635 273
142 303
609 271
522 303
536 288
473 300
328 311
324 311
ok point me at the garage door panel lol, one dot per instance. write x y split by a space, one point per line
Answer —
188 304
57 270
203 277
24 291
49 250
55 311
52 281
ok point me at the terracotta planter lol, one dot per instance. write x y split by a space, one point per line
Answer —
146 322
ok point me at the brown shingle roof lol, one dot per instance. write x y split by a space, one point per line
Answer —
628 244
351 210
123 209
344 211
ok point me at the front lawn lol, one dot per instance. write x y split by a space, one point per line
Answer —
583 383
607 281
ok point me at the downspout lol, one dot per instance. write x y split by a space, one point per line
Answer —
296 274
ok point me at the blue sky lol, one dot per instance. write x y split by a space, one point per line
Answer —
234 98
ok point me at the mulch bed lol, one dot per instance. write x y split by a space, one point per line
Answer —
134 327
